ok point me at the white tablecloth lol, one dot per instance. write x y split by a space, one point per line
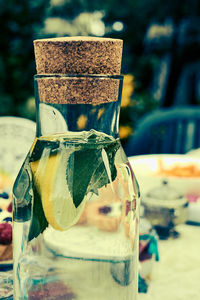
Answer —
177 275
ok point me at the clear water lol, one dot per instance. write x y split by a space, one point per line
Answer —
96 257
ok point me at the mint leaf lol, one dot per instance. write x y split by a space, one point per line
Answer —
81 166
100 177
86 170
39 147
38 222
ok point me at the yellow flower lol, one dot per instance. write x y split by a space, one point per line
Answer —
81 122
124 131
100 113
128 88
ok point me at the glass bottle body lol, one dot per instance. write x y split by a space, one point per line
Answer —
76 208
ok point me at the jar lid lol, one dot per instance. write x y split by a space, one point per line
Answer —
164 196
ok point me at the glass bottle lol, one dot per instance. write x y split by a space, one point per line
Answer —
75 230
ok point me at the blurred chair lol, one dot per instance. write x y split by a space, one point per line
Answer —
167 130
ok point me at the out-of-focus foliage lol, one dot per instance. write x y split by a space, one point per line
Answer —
20 23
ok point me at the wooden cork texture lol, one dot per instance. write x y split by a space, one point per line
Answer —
78 55
78 90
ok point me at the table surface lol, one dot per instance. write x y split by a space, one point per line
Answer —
177 275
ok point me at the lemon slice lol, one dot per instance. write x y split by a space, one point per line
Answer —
50 178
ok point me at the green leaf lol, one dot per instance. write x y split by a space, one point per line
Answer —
100 177
40 146
38 222
86 170
80 169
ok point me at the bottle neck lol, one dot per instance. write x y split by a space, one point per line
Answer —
70 116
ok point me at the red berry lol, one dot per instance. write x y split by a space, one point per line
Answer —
5 233
9 208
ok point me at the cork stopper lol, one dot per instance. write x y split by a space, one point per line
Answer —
75 90
78 55
82 57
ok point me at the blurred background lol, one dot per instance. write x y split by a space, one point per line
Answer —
161 56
